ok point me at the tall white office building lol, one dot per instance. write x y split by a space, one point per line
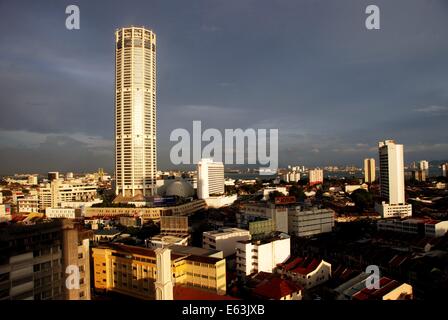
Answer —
210 178
135 112
369 170
424 165
444 168
392 181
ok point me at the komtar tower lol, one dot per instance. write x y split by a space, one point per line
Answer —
135 112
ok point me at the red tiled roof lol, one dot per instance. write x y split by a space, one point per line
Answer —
307 268
187 293
386 286
276 288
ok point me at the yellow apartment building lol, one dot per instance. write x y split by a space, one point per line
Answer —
132 271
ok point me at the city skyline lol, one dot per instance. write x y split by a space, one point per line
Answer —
247 72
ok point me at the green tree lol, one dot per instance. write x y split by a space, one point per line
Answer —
362 198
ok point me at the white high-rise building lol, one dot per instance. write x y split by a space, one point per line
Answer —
210 178
135 112
392 181
444 168
316 176
424 165
369 170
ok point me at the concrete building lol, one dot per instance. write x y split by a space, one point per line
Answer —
392 181
173 225
423 227
54 193
306 222
369 170
28 205
210 178
251 211
262 255
224 239
316 176
135 112
132 270
34 259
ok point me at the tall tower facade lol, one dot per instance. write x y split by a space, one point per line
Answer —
392 180
391 171
135 112
369 170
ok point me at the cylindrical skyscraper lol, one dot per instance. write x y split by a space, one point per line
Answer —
135 112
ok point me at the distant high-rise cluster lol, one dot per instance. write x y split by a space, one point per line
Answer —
135 112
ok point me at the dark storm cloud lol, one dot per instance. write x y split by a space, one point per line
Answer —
309 68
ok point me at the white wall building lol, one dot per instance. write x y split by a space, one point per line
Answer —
220 201
392 181
224 239
269 190
254 256
54 193
210 178
28 204
67 213
308 272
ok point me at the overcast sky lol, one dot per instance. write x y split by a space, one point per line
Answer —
307 67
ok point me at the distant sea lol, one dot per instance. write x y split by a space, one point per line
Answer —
433 172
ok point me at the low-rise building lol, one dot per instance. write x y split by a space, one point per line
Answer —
66 213
106 235
28 205
356 289
162 241
308 272
272 287
262 255
424 227
305 222
224 239
154 213
388 210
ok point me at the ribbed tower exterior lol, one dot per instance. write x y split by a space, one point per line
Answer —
135 112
